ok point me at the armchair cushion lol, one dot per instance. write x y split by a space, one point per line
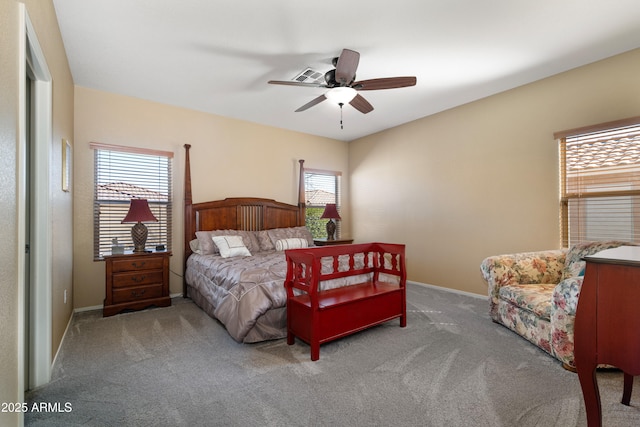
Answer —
533 298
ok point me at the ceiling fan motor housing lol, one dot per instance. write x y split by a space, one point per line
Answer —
330 78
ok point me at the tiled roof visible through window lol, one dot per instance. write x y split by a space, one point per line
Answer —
125 191
584 153
319 197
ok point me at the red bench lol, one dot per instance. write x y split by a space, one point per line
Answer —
317 316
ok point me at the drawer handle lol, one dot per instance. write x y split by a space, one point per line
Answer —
138 279
138 293
137 264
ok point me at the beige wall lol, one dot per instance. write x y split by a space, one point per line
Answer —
44 21
229 158
9 351
481 179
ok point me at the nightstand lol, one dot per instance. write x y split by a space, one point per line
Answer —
135 281
325 242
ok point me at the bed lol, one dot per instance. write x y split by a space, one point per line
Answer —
245 293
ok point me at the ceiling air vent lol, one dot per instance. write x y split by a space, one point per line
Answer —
310 76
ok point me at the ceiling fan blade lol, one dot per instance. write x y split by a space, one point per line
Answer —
311 103
292 83
384 83
361 104
347 66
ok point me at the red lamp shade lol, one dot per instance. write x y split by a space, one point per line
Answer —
330 211
139 212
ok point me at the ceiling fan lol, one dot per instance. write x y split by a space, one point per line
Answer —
342 84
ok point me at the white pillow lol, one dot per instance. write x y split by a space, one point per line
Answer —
230 246
291 243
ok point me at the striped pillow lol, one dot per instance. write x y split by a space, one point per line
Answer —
292 243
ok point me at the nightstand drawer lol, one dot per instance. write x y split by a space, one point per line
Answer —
137 293
137 278
140 263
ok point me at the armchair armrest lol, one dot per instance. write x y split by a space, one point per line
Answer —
542 267
565 295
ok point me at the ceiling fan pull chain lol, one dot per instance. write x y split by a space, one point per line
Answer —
341 104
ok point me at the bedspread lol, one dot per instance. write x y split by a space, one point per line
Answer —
243 290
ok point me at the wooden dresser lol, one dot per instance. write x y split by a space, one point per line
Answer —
607 323
135 281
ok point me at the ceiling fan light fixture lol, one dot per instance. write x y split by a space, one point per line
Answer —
341 95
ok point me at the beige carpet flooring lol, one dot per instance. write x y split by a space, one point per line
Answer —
451 366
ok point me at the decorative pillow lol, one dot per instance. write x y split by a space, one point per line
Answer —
195 246
205 243
230 246
250 240
264 240
207 247
292 243
290 232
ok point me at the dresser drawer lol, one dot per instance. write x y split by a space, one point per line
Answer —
137 263
137 278
137 293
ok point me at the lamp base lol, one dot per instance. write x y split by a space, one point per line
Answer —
331 230
139 234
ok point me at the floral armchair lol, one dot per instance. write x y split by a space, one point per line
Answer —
535 294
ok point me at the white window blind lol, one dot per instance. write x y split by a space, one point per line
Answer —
600 179
321 187
122 174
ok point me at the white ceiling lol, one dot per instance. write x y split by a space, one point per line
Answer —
217 56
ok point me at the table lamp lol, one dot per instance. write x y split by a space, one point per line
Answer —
331 212
139 212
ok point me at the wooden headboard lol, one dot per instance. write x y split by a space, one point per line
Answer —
237 213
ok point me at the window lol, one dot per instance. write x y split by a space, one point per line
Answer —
321 187
600 182
122 174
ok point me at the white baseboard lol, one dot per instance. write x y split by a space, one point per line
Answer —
455 291
100 307
90 308
64 334
179 295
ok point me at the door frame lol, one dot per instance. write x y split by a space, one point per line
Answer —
39 359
